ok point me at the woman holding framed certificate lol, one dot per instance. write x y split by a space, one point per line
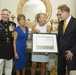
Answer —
42 58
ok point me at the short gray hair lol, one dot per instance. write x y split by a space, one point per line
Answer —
5 10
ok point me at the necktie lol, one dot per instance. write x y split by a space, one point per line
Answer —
64 27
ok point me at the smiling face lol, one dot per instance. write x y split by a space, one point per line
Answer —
5 15
62 15
21 20
42 19
63 12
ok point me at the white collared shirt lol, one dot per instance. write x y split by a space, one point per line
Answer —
67 20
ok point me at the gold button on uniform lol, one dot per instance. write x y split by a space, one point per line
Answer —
5 24
6 33
8 40
6 30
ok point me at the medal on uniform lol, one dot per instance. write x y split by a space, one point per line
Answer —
6 30
6 33
8 40
11 27
5 24
0 28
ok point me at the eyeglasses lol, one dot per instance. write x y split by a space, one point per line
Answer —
59 14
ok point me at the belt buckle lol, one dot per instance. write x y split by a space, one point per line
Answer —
8 40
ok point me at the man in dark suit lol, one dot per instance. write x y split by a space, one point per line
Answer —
66 40
6 42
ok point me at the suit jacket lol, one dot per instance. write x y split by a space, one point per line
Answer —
67 41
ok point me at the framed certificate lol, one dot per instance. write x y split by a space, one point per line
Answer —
44 43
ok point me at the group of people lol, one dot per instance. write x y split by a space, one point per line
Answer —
13 43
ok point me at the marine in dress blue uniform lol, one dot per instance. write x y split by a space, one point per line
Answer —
6 39
6 42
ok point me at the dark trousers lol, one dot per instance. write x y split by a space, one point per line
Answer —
63 63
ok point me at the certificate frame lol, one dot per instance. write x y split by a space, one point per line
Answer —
44 42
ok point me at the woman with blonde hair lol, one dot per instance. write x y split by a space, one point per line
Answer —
40 27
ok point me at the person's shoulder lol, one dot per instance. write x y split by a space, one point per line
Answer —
26 26
48 25
17 27
13 23
61 21
73 18
1 21
48 28
33 26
